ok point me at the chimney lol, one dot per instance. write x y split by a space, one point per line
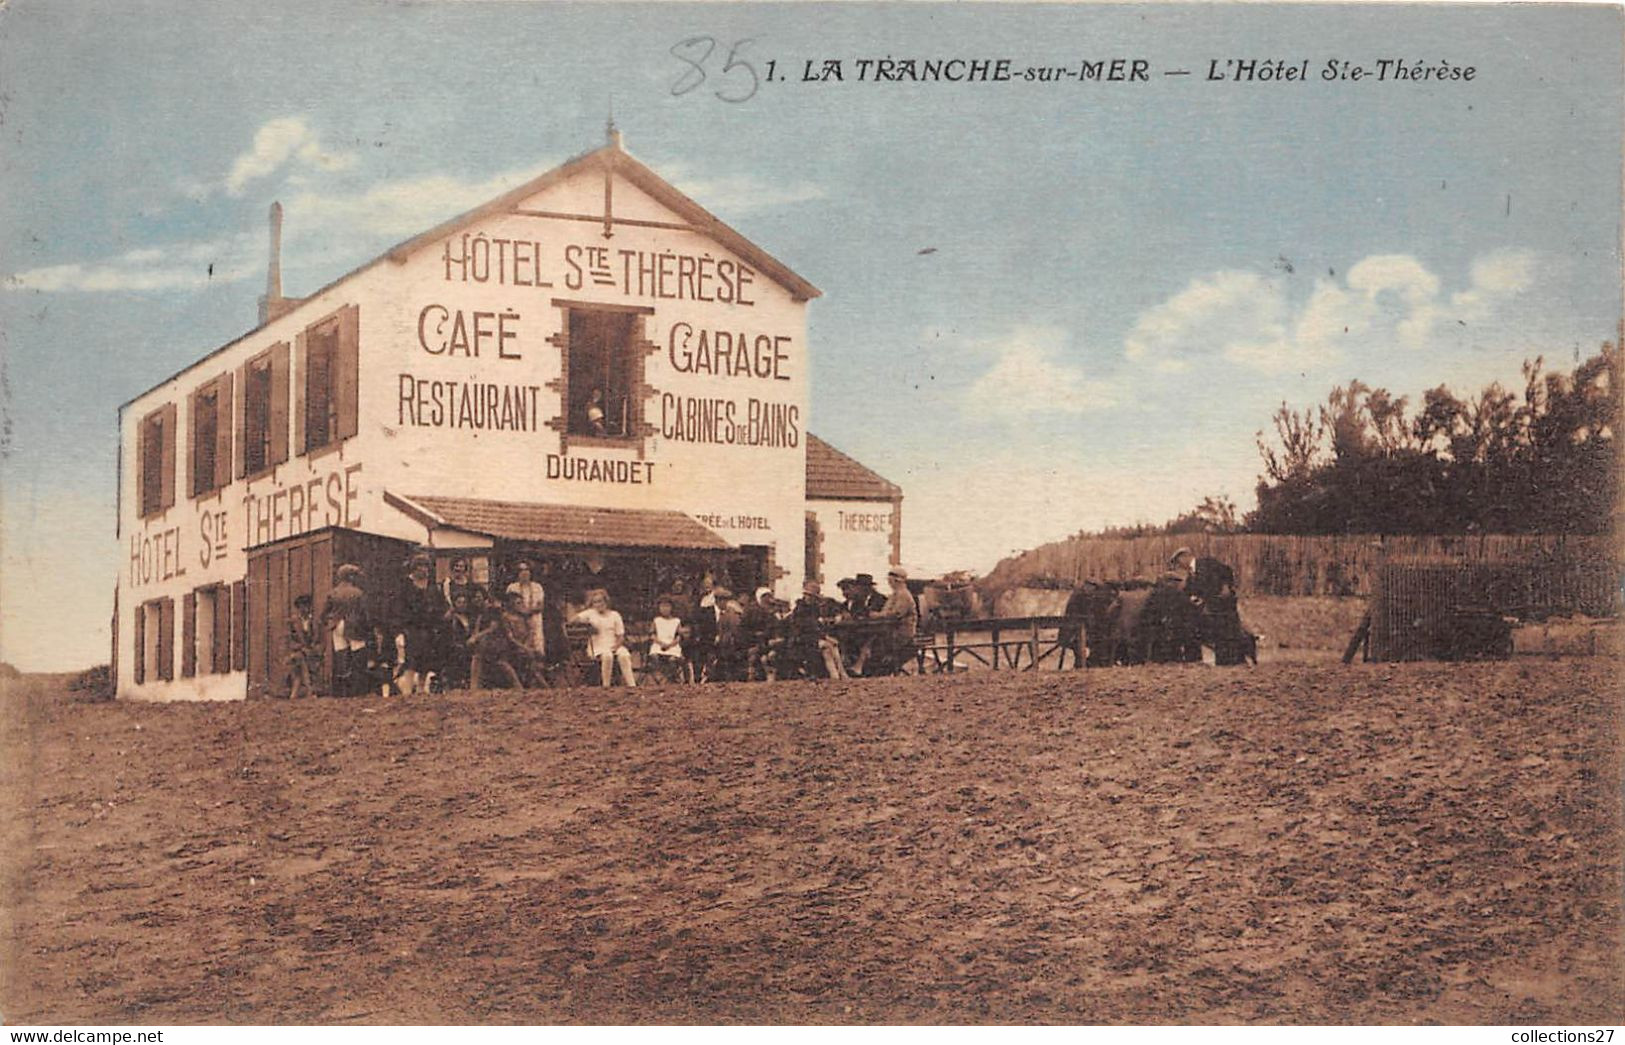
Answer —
271 305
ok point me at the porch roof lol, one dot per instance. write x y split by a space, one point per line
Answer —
562 523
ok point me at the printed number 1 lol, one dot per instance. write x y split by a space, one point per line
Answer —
695 51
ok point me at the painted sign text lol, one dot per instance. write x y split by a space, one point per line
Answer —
425 403
590 470
727 354
323 500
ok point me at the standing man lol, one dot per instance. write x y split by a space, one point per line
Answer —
1211 587
345 618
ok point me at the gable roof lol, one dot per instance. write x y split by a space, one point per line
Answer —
611 157
616 160
833 476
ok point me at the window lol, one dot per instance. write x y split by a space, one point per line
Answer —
329 356
155 640
156 447
209 446
206 631
262 423
606 370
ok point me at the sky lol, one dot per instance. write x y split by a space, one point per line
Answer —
1047 306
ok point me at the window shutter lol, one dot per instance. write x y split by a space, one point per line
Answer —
346 372
301 369
166 476
191 443
239 407
189 635
223 428
221 647
278 417
239 629
142 479
166 639
138 662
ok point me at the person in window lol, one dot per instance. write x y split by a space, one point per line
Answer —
345 620
533 604
305 650
596 422
608 641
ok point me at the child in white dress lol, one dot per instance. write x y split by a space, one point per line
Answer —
666 640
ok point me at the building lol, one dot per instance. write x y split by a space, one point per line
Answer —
590 371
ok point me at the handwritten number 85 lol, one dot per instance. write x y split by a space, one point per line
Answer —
695 52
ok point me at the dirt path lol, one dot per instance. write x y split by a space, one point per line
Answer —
1294 843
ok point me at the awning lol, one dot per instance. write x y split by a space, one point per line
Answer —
562 523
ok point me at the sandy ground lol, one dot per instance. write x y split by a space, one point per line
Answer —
1291 843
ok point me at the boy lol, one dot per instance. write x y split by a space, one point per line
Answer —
304 650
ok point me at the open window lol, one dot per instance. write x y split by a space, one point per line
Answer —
329 359
262 414
154 640
605 374
209 436
156 446
206 631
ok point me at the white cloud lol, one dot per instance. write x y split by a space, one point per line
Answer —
1238 315
276 143
1032 376
1385 302
395 208
177 266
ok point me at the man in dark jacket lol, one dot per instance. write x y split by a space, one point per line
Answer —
349 627
1211 587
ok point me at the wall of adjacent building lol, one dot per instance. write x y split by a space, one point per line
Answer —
856 537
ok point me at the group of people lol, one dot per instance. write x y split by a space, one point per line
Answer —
458 634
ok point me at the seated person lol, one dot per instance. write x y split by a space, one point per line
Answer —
809 650
888 650
304 650
608 642
666 641
459 654
497 656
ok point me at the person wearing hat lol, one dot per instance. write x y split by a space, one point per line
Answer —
810 649
349 628
891 647
1211 587
866 601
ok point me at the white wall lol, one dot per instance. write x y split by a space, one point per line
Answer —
748 494
857 537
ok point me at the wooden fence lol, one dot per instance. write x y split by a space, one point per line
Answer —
1286 565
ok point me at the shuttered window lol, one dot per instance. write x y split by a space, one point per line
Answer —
209 436
262 414
155 482
328 364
